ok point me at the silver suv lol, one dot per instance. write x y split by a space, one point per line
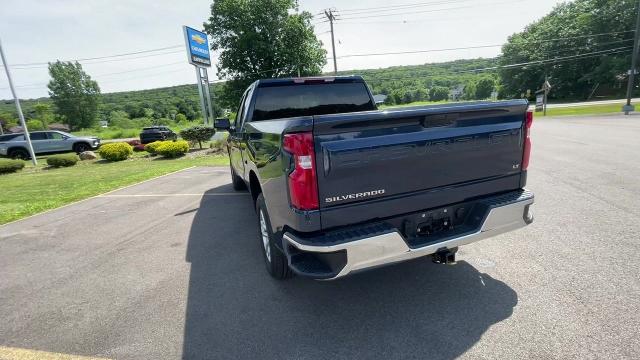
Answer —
45 142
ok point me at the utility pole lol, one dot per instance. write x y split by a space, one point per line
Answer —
634 58
18 107
332 17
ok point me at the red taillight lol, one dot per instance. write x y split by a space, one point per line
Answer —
527 140
303 188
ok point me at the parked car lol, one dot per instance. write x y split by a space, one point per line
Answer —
340 187
45 142
156 133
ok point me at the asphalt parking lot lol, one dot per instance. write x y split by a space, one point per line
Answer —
171 268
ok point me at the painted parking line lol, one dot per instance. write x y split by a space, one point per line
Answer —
169 195
10 353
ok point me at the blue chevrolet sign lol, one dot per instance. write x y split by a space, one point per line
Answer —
197 47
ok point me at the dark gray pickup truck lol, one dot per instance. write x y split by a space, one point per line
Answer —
340 186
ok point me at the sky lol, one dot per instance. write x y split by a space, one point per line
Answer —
39 31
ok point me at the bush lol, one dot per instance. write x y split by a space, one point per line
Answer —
172 149
181 118
115 151
152 148
62 160
9 166
34 125
137 145
198 133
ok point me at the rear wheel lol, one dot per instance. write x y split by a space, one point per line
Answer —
276 261
236 181
21 154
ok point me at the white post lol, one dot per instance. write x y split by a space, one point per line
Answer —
208 97
20 115
205 118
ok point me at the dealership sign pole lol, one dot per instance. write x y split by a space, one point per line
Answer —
199 56
18 107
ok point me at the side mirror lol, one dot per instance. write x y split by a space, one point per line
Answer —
222 124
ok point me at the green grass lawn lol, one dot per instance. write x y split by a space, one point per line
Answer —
36 189
584 110
576 110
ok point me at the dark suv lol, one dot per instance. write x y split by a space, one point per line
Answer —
156 133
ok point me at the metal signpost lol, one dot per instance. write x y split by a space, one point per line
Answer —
539 100
18 107
541 97
200 57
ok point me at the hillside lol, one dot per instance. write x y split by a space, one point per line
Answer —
403 83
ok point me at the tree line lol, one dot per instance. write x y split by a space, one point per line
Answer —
581 47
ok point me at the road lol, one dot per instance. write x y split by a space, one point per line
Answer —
171 269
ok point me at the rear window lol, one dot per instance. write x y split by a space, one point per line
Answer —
276 102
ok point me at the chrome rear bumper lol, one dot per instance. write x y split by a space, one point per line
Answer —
391 247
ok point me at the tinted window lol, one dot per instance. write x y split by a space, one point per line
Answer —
277 102
238 120
18 138
8 137
38 136
55 136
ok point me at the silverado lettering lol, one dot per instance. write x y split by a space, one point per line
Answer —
354 196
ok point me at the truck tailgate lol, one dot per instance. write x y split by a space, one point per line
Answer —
445 150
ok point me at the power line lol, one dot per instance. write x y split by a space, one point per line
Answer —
485 46
101 57
399 7
427 11
510 66
388 6
108 74
105 61
535 62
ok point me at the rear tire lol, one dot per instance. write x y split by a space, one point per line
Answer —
20 154
236 181
275 260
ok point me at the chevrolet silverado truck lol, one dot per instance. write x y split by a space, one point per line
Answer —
340 186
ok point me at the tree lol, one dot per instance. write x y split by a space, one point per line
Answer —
35 124
438 93
567 31
469 92
119 119
261 39
74 94
7 121
484 88
198 133
43 113
181 118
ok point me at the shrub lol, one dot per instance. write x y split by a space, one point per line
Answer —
198 133
9 166
115 151
137 145
62 160
34 125
172 149
181 118
152 148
